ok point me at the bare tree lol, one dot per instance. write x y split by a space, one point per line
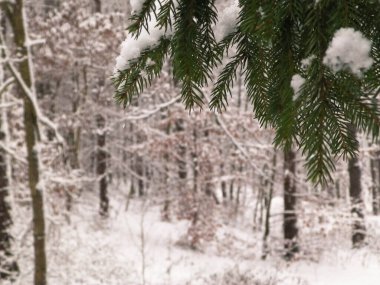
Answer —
354 171
24 78
375 175
8 266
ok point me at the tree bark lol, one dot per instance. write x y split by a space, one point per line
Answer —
141 174
101 153
15 13
98 6
223 185
290 216
194 157
375 173
101 166
8 266
181 161
166 209
354 171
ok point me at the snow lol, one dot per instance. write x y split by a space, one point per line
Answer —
132 47
40 185
296 83
136 247
349 50
227 21
136 5
306 62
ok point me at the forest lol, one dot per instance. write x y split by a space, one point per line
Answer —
189 142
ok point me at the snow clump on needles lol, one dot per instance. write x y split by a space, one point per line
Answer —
136 5
349 50
132 47
228 20
296 83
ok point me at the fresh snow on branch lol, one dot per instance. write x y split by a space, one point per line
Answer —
136 5
227 21
306 62
29 93
132 47
148 113
349 50
296 83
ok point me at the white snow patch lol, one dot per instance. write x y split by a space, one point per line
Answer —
150 62
136 5
132 47
306 62
227 21
296 83
37 148
40 185
349 50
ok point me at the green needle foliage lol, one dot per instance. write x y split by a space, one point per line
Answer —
270 41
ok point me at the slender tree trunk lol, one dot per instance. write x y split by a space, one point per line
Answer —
290 216
98 6
239 184
232 190
101 166
141 174
358 227
181 161
73 143
73 138
209 186
376 193
37 195
223 183
194 157
375 173
8 266
15 13
166 209
101 153
337 189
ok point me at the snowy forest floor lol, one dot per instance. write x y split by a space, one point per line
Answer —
136 247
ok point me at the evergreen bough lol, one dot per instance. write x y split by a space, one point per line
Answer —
271 40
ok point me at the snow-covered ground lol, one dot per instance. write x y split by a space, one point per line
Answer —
136 247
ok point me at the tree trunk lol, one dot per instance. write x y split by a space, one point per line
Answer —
141 174
50 5
15 13
98 6
8 267
194 157
232 190
223 185
358 227
290 216
209 186
166 209
181 161
101 166
375 173
337 189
